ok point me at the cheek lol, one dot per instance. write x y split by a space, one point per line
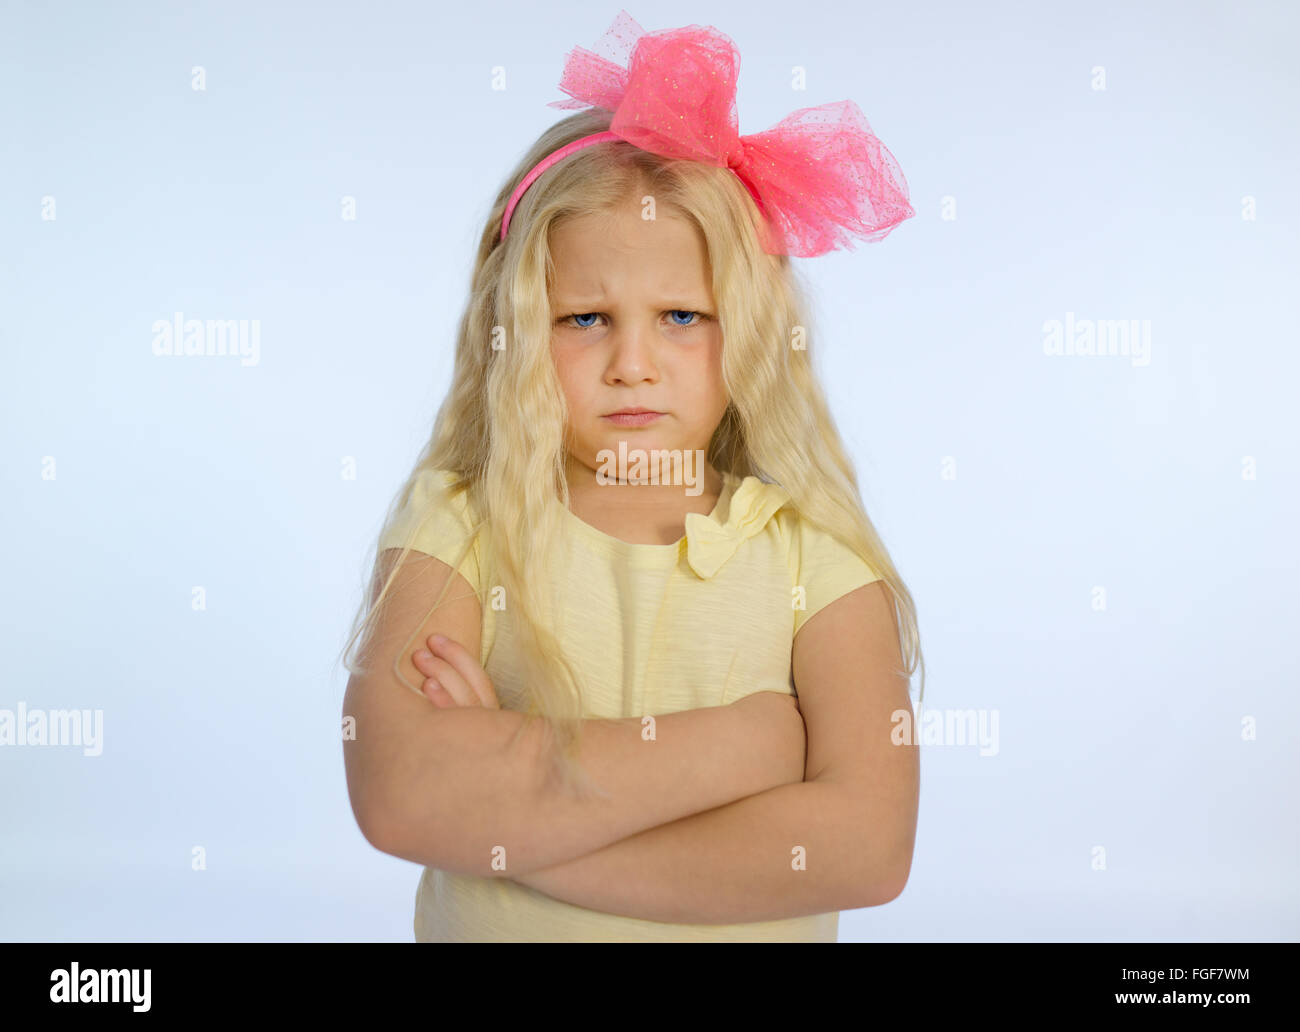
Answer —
574 381
709 375
564 371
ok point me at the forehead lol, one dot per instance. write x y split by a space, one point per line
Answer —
621 251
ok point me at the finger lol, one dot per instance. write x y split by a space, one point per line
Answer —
467 666
448 678
430 668
423 660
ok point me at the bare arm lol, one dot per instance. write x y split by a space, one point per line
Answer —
842 840
445 788
786 852
469 795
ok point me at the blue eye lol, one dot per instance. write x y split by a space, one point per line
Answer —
693 318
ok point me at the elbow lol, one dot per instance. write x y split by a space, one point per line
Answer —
371 806
389 833
383 807
388 828
375 826
888 886
879 891
401 832
885 878
433 800
890 890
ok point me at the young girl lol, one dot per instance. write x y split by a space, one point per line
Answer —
635 520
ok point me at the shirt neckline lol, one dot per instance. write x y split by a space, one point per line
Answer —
618 546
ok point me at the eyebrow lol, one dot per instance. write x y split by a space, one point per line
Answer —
669 304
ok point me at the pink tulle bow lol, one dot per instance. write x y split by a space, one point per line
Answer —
819 176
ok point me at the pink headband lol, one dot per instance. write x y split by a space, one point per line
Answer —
819 176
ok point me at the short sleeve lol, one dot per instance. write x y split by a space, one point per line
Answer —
825 569
440 522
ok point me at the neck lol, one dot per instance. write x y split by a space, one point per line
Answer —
705 483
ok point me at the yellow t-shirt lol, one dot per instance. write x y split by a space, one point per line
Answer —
631 627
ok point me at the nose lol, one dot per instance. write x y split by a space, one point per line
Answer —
631 357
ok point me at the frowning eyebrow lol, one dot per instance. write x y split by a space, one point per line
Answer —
592 304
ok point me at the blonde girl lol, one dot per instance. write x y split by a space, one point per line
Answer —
634 661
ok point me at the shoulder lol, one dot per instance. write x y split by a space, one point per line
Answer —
433 514
439 490
823 565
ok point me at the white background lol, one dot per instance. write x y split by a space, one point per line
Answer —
1118 728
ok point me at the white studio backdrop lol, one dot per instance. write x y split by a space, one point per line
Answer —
1102 546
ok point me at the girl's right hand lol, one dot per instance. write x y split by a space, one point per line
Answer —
777 728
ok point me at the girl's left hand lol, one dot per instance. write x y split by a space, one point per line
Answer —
454 677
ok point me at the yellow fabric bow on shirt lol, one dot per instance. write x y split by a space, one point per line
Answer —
710 543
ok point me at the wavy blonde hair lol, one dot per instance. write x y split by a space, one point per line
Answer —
502 428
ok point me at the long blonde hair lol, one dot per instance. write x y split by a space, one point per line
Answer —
502 428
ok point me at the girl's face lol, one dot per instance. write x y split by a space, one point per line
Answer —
635 326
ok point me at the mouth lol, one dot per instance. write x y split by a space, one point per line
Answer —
632 416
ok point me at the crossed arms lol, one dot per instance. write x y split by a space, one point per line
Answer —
728 815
